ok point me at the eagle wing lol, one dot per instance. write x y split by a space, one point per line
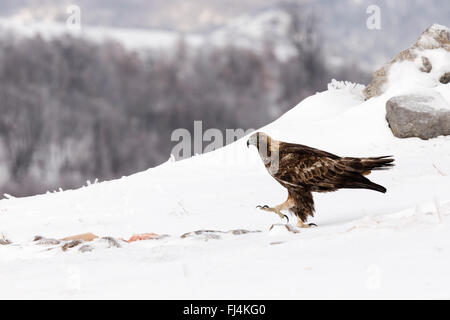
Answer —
316 170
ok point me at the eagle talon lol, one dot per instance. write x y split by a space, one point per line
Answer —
301 224
275 210
281 215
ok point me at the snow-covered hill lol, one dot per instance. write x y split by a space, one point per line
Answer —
247 31
367 245
132 39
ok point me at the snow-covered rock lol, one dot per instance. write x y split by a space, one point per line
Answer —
430 54
415 84
418 115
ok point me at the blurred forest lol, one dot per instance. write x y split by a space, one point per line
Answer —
73 110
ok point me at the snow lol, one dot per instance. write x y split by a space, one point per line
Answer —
244 32
428 39
367 245
405 77
439 28
426 100
132 39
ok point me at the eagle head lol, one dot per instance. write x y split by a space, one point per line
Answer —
258 139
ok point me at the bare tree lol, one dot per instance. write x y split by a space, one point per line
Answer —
21 127
305 71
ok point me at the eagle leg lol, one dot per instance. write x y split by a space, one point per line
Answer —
289 203
275 210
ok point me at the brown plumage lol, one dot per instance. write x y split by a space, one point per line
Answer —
303 170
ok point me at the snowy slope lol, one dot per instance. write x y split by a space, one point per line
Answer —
367 245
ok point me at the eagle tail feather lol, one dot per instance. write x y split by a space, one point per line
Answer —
376 187
378 163
362 182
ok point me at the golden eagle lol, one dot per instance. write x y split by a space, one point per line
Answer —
303 170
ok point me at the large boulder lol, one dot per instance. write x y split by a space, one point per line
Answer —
436 37
418 115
